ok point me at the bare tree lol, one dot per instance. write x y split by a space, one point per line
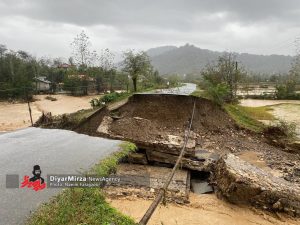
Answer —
225 74
81 49
108 66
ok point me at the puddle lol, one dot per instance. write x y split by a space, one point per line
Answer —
255 159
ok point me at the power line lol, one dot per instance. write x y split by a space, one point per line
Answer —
163 191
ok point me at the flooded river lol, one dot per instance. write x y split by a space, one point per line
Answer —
287 110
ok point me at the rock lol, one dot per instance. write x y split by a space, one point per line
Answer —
296 171
201 187
137 158
104 126
242 183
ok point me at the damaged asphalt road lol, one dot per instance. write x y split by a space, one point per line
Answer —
56 151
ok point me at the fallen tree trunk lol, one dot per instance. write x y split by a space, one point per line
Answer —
242 183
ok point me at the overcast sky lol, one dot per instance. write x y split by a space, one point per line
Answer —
46 27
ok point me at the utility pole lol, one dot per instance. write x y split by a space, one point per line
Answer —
235 79
30 113
29 108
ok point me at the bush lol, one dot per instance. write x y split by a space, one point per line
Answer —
111 97
281 133
108 98
286 91
218 93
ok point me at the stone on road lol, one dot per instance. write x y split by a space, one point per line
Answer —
56 151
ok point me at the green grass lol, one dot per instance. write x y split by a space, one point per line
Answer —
198 93
258 113
247 117
84 206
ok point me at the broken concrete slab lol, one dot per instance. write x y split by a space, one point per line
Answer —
193 163
201 187
242 183
148 180
104 125
206 155
137 158
178 141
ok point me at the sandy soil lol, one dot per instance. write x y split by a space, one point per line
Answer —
203 209
16 116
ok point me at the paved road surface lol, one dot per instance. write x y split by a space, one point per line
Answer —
56 151
186 89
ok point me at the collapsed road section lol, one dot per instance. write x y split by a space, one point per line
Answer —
156 124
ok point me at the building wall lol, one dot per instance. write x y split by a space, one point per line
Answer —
41 86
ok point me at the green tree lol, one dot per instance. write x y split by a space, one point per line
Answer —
136 64
224 75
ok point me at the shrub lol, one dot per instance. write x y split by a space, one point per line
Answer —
108 98
218 93
281 133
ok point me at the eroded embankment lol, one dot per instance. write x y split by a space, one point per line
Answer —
157 124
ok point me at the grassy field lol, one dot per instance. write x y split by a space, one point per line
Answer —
248 117
85 206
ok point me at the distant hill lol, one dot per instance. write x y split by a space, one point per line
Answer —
190 59
159 50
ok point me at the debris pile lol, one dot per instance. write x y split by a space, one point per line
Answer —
144 181
157 124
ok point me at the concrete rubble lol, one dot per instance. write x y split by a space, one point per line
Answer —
242 183
145 181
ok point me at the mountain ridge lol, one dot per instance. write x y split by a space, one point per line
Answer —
191 59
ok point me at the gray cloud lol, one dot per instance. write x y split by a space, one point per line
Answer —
46 27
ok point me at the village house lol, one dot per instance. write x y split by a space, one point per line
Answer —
42 84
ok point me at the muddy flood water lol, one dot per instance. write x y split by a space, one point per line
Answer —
202 209
287 110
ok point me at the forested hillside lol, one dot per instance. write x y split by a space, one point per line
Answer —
190 59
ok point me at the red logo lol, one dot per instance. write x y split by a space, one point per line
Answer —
36 182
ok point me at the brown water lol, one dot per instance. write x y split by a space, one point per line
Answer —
287 110
16 116
203 209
